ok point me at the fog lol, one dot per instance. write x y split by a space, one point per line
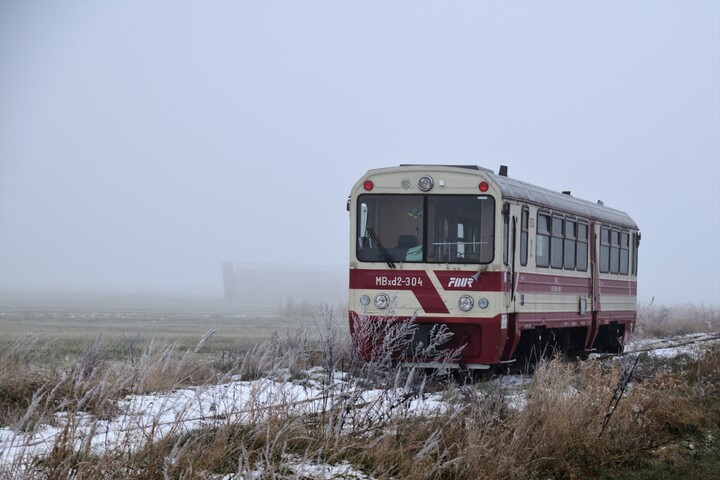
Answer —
142 144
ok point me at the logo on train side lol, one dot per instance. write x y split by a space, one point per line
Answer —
460 282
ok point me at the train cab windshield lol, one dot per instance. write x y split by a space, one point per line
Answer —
425 228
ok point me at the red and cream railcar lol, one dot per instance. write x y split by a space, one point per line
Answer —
513 270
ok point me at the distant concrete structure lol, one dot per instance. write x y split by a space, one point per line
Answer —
229 280
278 282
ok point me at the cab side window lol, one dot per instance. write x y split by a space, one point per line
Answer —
624 252
524 220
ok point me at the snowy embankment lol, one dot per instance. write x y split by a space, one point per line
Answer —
142 419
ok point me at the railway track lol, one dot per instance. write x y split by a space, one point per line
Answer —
673 346
671 343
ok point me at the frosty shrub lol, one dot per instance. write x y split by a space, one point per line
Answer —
382 342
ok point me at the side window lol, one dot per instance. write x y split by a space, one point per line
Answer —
582 246
635 242
614 251
624 252
524 217
542 244
556 243
570 239
506 237
604 250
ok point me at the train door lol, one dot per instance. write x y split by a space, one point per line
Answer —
509 216
595 285
511 258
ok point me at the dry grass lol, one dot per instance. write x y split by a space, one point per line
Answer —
287 351
21 379
573 421
31 392
659 321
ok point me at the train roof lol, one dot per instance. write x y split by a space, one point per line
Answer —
525 192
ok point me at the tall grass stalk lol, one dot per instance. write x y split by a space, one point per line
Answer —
287 409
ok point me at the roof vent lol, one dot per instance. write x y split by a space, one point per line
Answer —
600 202
567 192
503 171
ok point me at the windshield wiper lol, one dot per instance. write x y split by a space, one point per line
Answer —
383 250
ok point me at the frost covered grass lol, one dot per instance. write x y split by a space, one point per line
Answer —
659 321
290 407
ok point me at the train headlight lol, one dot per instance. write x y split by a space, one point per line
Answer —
425 183
364 300
382 301
483 303
465 303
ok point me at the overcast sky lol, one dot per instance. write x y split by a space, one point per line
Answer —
142 143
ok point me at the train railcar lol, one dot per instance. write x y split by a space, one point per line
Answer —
513 271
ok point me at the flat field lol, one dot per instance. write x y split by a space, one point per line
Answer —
133 387
70 323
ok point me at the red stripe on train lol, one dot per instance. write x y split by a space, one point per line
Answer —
416 281
430 300
617 287
539 283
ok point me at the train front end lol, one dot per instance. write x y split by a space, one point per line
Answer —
426 253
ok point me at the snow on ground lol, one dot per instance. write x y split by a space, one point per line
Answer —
300 468
691 344
188 409
153 416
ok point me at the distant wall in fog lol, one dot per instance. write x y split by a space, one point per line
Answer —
278 282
